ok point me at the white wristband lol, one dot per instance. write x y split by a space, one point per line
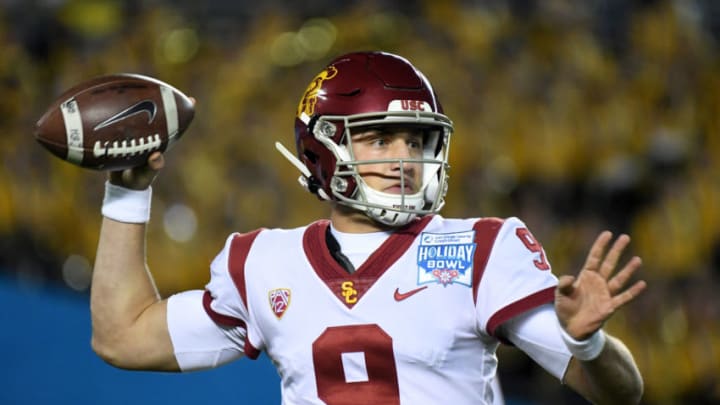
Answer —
587 349
126 205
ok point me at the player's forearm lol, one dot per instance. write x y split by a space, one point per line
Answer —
122 288
611 378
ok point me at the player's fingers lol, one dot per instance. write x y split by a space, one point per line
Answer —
597 251
618 281
139 178
613 255
144 175
115 177
156 161
566 285
629 294
133 179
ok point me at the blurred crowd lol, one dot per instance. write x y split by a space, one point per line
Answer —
574 116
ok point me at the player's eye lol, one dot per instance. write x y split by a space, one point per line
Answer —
416 140
380 141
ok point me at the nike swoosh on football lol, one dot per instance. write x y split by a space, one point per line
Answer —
402 296
146 106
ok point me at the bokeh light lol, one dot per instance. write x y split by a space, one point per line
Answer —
77 272
180 222
179 45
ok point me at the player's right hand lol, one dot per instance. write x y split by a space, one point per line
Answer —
141 177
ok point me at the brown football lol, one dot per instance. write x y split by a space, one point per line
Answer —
114 122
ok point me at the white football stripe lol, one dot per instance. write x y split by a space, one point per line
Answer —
171 114
73 130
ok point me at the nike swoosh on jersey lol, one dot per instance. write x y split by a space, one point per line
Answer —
402 296
147 106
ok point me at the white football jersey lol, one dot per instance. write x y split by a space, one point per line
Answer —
415 323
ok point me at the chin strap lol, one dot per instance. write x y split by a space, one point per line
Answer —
305 179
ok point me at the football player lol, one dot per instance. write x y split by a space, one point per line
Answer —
384 302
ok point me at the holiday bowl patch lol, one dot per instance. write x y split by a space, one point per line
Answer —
446 258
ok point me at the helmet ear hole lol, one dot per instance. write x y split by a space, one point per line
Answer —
311 156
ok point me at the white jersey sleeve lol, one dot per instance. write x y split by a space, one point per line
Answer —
516 278
536 333
198 342
210 329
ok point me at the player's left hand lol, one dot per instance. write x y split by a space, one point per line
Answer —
585 302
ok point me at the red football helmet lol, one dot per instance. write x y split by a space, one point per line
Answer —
361 90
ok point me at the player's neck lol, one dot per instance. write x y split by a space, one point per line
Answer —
349 220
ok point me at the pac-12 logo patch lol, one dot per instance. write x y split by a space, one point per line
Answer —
279 301
446 258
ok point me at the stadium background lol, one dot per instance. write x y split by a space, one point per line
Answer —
574 116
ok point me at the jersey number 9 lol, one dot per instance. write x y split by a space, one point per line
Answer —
339 385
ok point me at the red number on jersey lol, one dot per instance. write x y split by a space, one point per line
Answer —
534 246
370 341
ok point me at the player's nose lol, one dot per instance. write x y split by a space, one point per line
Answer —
401 149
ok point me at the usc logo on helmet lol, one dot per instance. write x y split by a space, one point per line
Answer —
309 99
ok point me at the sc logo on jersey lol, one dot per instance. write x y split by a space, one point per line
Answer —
446 258
349 292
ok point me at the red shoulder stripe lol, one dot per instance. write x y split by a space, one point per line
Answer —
239 250
486 231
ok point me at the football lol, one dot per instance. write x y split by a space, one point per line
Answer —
114 122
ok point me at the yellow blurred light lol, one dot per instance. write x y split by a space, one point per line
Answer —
674 326
316 37
286 50
180 45
92 18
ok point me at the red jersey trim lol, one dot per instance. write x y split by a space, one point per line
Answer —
522 305
237 256
248 348
250 351
217 317
239 250
334 276
486 231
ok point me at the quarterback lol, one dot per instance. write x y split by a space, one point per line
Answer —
385 301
